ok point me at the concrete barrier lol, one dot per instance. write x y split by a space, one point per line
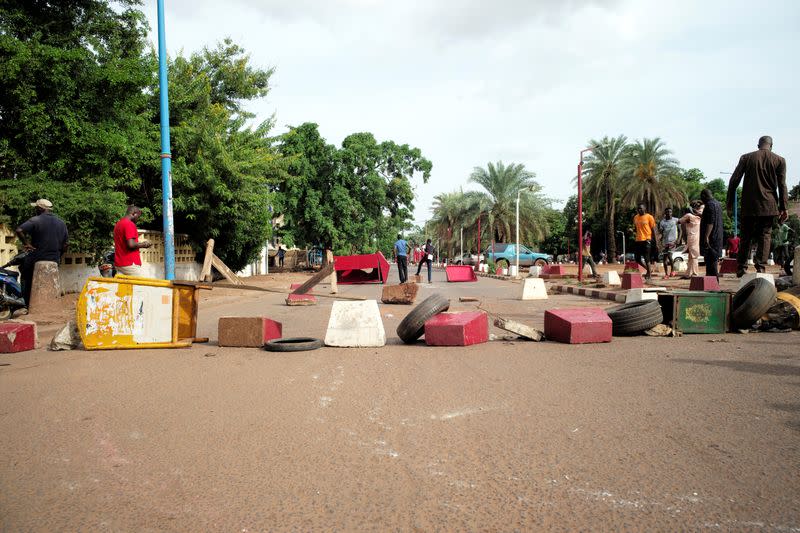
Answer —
611 278
457 329
46 287
750 276
247 331
355 324
577 326
17 336
632 280
704 283
533 289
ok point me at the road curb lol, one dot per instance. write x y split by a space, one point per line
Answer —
591 293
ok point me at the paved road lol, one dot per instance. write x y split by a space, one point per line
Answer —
692 433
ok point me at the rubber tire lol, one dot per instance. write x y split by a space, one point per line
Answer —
751 302
293 344
540 262
675 262
634 317
6 312
413 325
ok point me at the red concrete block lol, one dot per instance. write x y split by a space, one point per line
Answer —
729 265
460 273
633 266
577 326
247 331
457 329
632 280
704 283
557 270
300 299
17 336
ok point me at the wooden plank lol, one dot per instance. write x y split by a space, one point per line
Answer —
329 259
205 273
226 272
313 280
284 291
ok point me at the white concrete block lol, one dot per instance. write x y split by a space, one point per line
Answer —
503 272
611 278
533 289
534 271
636 295
355 324
744 280
512 270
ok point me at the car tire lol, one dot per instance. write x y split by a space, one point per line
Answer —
634 317
293 344
413 325
751 302
540 262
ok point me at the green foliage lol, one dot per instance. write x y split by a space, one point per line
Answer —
651 176
491 266
794 193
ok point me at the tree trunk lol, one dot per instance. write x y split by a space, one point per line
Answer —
611 234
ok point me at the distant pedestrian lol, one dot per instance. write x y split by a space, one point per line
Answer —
127 259
427 257
401 255
644 225
780 244
587 252
711 232
670 232
764 197
45 237
281 255
733 246
691 231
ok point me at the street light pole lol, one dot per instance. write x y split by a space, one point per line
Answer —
517 245
166 156
580 213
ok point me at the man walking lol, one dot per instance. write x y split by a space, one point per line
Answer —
127 259
644 225
670 233
587 253
401 255
427 257
764 197
48 242
711 232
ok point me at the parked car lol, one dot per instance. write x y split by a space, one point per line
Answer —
468 259
679 257
506 254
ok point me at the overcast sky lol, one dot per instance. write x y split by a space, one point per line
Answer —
523 81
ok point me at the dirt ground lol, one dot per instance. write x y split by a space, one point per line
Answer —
698 432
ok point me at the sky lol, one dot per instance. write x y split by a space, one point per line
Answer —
519 81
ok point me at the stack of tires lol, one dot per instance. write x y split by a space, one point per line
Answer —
635 317
751 302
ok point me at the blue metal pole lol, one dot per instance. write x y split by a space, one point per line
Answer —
736 212
166 156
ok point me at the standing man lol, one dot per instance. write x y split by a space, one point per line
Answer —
711 232
401 255
281 255
733 246
780 244
587 253
644 225
764 197
48 242
427 257
127 259
670 233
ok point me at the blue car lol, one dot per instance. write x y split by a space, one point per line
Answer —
506 254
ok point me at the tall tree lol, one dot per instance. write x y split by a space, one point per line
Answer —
601 182
651 176
502 183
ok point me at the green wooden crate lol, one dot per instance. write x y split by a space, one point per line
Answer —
696 311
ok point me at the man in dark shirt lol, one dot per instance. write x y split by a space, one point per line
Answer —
763 198
48 241
711 232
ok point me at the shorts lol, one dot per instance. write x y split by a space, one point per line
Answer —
130 270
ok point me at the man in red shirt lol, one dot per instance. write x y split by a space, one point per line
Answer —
733 246
126 246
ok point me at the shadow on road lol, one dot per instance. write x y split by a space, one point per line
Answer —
744 366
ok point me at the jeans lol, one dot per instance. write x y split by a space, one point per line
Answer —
758 231
419 267
711 258
402 268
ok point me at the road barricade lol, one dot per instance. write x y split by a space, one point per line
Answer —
357 269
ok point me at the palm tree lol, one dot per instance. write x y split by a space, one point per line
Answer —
601 182
451 212
502 183
651 176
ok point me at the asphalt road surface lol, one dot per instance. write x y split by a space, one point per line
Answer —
644 434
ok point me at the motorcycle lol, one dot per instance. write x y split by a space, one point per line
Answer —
10 289
107 268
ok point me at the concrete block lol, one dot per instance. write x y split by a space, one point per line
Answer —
355 324
577 325
457 329
404 293
744 280
300 299
535 271
17 336
636 295
729 265
558 270
247 331
513 270
67 338
533 289
46 287
632 280
704 283
611 278
519 329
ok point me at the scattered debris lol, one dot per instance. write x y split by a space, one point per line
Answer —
659 330
523 331
468 299
404 293
67 338
324 272
226 272
717 340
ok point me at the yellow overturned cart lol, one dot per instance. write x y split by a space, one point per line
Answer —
132 312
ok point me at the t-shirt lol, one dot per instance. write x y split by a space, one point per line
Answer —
48 236
644 225
402 247
733 245
668 229
712 215
123 256
782 235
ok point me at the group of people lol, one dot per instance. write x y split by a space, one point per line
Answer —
422 255
45 238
